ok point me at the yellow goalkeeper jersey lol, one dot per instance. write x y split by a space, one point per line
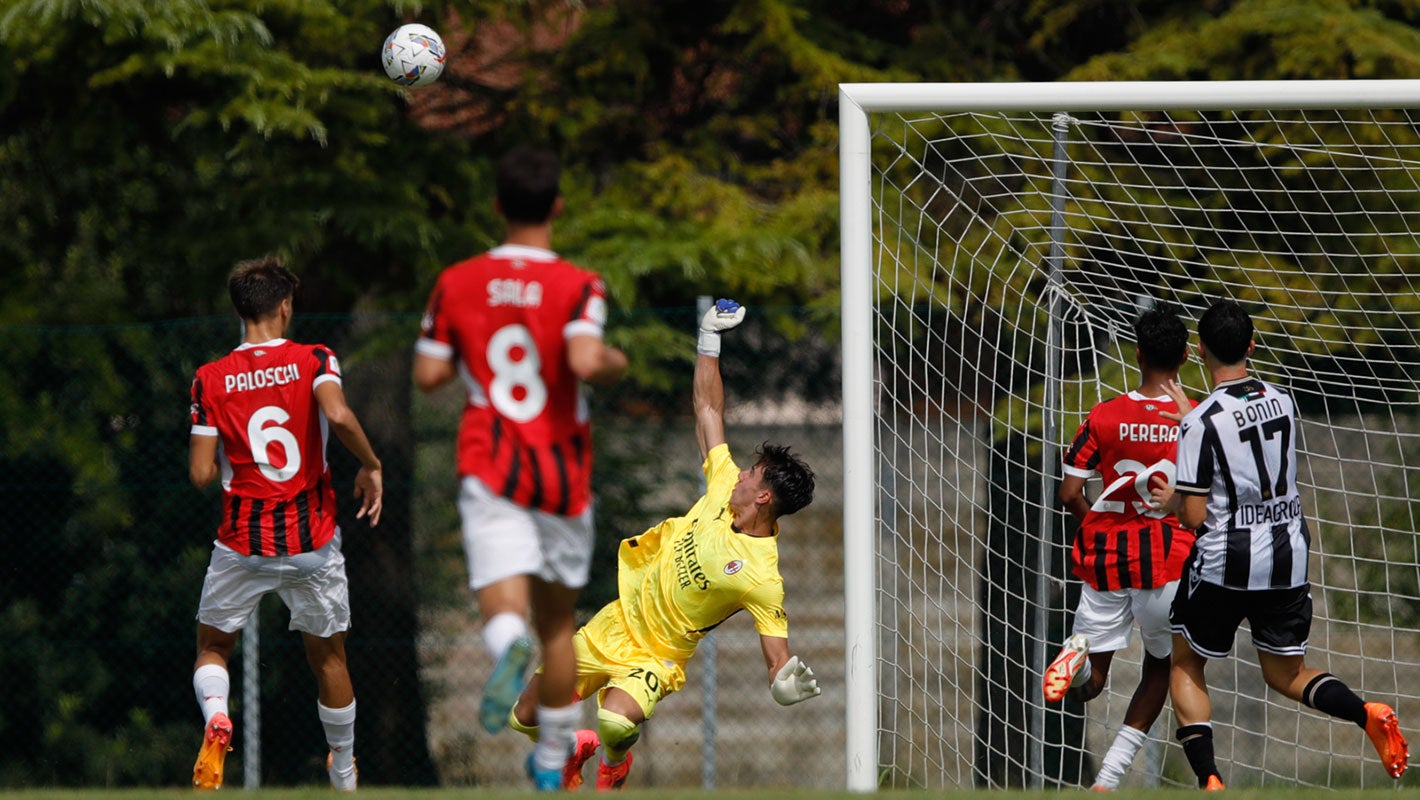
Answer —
683 577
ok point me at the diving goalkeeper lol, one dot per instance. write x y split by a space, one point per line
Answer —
679 580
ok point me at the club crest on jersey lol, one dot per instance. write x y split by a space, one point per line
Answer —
734 566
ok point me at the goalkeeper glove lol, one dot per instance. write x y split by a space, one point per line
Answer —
794 683
724 315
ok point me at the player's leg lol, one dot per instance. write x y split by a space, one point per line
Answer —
619 727
231 589
502 546
212 686
1281 623
592 675
629 701
556 712
1150 609
335 706
317 593
1204 619
1102 625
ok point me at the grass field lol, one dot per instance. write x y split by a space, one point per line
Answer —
382 793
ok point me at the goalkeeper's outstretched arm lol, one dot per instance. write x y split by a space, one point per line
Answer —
708 391
790 680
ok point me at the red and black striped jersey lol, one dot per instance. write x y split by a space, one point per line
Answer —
1123 543
504 318
277 497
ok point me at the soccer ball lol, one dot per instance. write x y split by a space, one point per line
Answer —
413 55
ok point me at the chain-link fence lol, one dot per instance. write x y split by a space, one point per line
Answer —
109 542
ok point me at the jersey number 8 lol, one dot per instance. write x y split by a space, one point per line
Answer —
511 375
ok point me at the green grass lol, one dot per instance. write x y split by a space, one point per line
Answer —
383 793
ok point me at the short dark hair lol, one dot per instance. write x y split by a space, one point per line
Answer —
258 286
1162 338
1226 330
528 181
789 479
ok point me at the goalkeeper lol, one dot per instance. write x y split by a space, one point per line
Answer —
683 577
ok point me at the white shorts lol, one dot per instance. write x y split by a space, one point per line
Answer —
503 539
1107 618
312 585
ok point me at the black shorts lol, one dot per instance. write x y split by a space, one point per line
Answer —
1208 615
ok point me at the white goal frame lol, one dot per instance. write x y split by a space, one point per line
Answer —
857 101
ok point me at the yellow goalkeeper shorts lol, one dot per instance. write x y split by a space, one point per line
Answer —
607 657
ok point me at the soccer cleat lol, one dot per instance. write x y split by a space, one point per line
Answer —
1384 730
1063 669
1100 788
585 747
216 741
505 684
1214 784
611 778
339 781
544 780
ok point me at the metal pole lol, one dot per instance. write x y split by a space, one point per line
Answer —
708 654
251 702
1050 434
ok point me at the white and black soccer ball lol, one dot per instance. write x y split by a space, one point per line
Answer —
413 55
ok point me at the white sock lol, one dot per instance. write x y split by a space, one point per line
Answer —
339 724
212 685
1121 754
500 632
1083 676
558 734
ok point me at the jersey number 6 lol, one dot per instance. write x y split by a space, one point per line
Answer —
262 436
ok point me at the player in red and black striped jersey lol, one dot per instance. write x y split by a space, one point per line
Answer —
523 328
260 420
1129 553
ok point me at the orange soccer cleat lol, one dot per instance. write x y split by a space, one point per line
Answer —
1063 669
610 778
216 741
1215 784
1384 730
585 747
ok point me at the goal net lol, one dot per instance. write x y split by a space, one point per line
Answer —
998 242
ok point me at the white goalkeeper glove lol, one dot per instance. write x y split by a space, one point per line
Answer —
722 316
794 683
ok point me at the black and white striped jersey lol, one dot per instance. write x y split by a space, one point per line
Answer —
1239 449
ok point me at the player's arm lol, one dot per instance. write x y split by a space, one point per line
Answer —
1072 496
431 372
707 389
790 680
369 481
1192 511
202 460
594 361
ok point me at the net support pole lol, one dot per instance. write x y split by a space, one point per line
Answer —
1049 429
859 462
251 702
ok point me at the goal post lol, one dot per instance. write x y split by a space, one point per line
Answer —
997 240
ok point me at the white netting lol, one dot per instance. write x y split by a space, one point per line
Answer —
1310 219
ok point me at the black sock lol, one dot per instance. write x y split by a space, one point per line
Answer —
1327 694
1197 741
